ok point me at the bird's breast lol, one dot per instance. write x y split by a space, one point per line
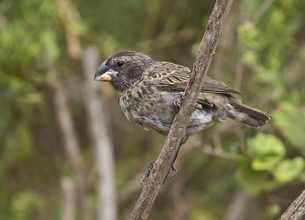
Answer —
156 109
150 107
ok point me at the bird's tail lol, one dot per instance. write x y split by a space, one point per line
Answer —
248 115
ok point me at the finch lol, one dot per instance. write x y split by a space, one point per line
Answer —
150 94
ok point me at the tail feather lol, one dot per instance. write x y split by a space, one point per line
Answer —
251 116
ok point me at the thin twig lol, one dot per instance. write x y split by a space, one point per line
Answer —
166 157
220 153
296 210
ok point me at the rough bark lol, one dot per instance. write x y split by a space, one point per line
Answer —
296 210
175 137
98 121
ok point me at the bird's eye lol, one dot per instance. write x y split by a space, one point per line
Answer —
120 63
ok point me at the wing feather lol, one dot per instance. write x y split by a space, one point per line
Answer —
173 77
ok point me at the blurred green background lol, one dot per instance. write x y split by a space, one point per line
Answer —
224 171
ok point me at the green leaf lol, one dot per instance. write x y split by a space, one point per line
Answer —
19 146
255 182
273 210
248 33
27 205
50 44
289 169
288 117
249 57
266 150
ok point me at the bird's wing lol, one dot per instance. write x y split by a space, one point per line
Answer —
211 85
173 77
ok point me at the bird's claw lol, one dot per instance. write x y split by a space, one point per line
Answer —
147 172
149 168
177 102
175 169
198 106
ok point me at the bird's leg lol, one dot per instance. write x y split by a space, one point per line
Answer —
173 167
198 106
149 167
184 140
147 172
177 102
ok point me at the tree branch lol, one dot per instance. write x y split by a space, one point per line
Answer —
107 209
296 210
68 199
69 135
175 137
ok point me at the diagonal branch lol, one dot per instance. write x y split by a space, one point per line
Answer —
176 135
296 210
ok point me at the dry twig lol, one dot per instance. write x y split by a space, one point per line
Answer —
167 155
296 209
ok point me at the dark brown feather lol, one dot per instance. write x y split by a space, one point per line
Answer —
254 118
177 77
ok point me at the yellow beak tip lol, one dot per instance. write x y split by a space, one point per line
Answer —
104 77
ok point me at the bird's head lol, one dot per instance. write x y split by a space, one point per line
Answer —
123 69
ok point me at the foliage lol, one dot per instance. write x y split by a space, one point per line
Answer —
267 41
287 118
267 157
266 151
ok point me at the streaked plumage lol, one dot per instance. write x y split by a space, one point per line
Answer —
150 91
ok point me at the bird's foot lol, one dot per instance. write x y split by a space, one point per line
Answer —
174 169
147 172
177 102
198 106
149 168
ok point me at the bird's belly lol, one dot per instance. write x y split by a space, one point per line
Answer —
157 111
200 119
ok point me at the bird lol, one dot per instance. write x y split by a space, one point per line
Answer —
150 92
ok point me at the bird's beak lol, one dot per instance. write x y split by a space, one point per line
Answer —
104 73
